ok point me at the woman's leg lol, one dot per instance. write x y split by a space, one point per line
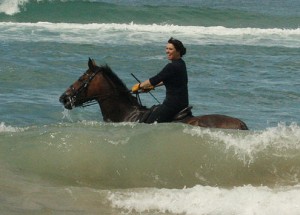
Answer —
161 114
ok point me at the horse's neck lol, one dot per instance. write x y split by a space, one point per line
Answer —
117 110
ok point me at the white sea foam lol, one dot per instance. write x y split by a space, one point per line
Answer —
210 200
113 33
7 128
11 7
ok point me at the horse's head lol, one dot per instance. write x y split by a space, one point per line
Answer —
98 83
88 87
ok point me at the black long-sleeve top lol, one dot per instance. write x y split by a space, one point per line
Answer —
174 77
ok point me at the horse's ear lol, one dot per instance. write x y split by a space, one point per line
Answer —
91 63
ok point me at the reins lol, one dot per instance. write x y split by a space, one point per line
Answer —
138 95
138 98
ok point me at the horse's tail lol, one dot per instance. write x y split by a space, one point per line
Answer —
244 126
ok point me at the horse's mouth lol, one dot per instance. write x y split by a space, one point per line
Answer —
66 101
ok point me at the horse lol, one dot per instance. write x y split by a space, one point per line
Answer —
99 84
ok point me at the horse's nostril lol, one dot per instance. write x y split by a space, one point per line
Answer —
62 98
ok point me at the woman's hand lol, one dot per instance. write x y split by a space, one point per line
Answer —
145 87
136 88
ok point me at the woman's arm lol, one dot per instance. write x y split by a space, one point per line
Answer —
146 84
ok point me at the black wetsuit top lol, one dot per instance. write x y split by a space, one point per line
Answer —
174 77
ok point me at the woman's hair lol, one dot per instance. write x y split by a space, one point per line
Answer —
178 46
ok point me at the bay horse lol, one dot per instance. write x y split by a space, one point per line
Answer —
99 84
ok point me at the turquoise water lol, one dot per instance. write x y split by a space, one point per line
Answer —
243 61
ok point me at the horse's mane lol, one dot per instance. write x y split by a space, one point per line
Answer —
114 78
119 84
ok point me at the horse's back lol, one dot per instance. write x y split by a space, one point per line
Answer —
217 121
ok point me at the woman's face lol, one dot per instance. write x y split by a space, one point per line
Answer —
171 52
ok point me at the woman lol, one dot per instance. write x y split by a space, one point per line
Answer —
174 77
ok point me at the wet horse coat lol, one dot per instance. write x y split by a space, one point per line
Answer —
117 104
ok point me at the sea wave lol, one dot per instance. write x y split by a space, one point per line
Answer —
277 140
7 128
159 155
39 194
131 33
192 12
208 200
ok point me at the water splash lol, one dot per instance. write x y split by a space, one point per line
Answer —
11 7
280 140
66 114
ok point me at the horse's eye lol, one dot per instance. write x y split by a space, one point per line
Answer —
81 78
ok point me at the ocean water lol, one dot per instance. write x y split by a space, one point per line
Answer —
243 60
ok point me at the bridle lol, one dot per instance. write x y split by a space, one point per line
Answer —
84 86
